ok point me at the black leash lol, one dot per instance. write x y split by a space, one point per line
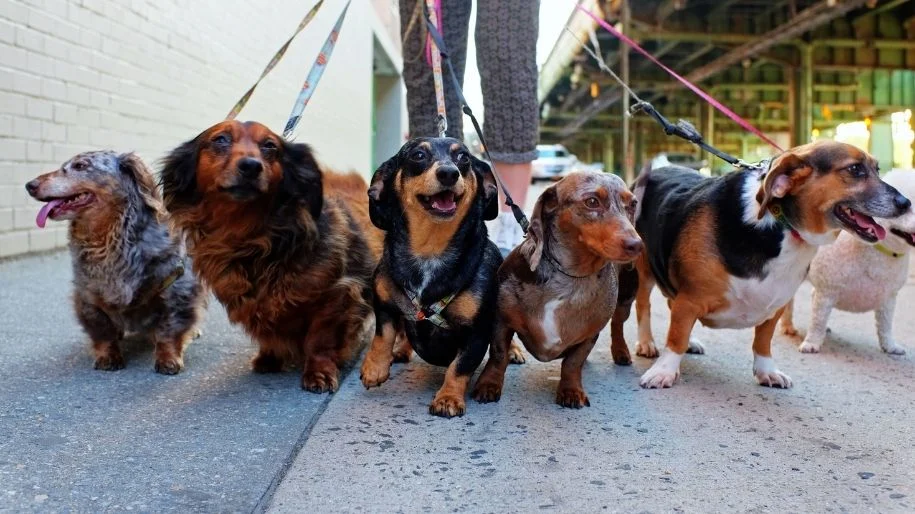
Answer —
440 43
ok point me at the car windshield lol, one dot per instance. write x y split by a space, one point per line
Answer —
682 157
550 152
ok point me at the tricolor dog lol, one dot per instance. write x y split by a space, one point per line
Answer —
731 251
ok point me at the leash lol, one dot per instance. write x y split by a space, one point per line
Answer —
273 61
434 58
695 89
440 43
314 75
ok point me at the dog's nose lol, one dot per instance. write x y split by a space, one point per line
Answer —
32 187
250 168
902 203
447 175
633 246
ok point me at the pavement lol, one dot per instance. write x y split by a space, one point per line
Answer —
218 438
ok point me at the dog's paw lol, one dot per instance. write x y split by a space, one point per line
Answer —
267 363
111 362
516 354
447 406
892 348
320 381
695 347
663 373
169 365
620 354
646 349
768 375
198 333
487 392
572 397
808 347
373 374
787 330
403 354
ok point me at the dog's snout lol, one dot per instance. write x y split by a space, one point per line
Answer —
633 245
902 203
32 187
447 175
250 168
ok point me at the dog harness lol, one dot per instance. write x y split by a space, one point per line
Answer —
433 312
886 251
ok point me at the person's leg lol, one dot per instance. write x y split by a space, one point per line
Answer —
417 73
506 38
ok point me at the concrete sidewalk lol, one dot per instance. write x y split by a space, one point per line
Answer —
213 438
839 441
219 438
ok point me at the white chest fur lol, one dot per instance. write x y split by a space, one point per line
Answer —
550 325
750 301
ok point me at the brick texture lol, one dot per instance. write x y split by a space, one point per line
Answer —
146 75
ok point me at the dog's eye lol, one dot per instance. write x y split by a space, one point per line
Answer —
418 155
461 159
857 171
592 203
79 166
221 141
268 148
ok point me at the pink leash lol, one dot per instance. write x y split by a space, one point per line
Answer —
702 94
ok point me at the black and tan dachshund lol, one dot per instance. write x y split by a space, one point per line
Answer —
436 281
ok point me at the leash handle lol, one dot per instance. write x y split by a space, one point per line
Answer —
517 212
273 61
314 75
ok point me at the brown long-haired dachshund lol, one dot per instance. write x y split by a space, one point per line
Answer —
287 248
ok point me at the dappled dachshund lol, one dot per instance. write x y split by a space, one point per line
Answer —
558 289
731 251
437 278
286 247
128 268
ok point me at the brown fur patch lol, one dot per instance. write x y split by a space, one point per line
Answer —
449 400
464 307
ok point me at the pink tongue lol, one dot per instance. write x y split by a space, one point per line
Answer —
443 202
864 221
45 211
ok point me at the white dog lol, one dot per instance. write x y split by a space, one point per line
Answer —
853 276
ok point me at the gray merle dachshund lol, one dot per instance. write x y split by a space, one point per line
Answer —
128 267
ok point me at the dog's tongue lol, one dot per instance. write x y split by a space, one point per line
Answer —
42 218
443 201
868 222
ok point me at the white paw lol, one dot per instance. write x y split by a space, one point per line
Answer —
663 373
646 349
768 375
695 346
892 348
808 347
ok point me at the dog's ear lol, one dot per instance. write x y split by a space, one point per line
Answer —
178 177
301 183
381 199
130 165
538 231
784 174
490 189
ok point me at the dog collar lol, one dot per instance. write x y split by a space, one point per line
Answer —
172 278
558 267
433 312
886 251
782 220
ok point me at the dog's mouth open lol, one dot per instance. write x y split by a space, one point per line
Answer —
859 224
908 237
442 204
57 208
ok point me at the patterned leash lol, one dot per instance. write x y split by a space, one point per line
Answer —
314 75
434 58
273 62
517 212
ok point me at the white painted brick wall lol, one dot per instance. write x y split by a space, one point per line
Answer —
146 75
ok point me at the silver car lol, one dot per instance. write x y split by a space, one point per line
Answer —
553 162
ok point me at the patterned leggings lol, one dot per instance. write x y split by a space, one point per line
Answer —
506 39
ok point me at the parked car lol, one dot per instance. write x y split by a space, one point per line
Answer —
680 159
553 162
